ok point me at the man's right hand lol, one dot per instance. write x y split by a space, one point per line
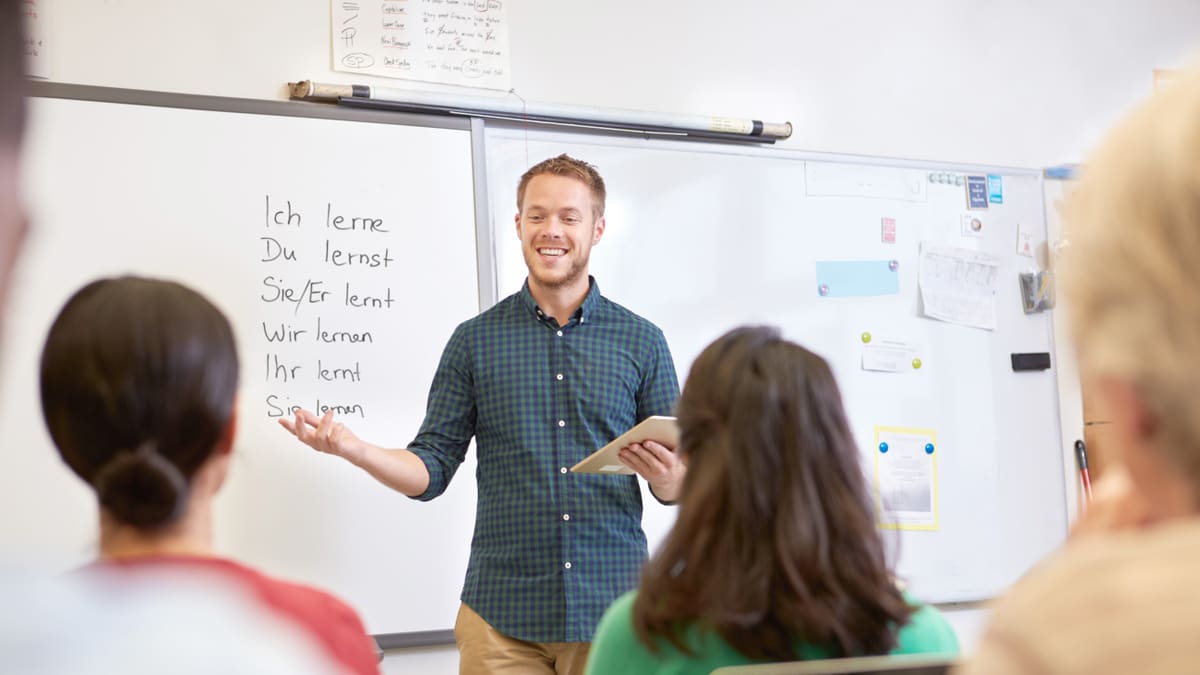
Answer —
399 469
325 435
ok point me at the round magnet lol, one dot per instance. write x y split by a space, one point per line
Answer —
866 337
883 447
929 448
823 289
893 265
916 364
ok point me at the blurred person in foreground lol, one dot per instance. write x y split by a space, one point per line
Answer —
1122 595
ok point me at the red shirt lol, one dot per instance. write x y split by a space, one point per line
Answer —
335 626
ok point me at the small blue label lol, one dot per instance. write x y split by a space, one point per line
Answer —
856 278
977 192
995 189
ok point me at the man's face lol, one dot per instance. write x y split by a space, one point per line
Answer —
557 228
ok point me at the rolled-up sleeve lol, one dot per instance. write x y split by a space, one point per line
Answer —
449 415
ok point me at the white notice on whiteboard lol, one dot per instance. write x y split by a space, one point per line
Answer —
888 356
463 42
959 285
906 477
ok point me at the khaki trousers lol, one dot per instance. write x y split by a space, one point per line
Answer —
483 650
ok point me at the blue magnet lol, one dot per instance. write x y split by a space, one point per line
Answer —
823 289
929 448
893 265
883 447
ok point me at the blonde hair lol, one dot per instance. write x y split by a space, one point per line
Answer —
1131 274
565 165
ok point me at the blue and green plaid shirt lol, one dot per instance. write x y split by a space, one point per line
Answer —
552 549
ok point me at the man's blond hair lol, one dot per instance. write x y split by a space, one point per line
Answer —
565 165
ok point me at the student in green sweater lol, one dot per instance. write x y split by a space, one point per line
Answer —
774 555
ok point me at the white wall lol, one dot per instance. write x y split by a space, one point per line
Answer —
1019 83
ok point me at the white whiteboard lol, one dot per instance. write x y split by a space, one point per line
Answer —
702 238
190 195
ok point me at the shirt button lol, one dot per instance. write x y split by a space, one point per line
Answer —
566 516
558 376
562 423
562 469
567 564
560 333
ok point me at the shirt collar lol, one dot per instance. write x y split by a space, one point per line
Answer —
586 312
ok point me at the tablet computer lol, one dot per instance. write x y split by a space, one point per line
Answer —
656 428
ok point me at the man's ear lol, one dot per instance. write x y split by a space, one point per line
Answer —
598 231
517 220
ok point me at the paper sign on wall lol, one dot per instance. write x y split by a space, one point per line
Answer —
463 43
995 188
906 488
889 356
855 278
959 285
977 196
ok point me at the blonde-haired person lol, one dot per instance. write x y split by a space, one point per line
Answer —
1122 596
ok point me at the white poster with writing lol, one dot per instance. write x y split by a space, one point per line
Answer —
35 39
463 42
906 487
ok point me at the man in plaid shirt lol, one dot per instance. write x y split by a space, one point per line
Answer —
540 380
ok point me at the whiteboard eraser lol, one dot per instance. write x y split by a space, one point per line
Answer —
1031 361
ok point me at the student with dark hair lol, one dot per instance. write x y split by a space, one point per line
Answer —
138 387
775 555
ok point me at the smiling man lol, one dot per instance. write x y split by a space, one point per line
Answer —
540 381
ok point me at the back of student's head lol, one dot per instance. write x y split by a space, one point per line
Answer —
1132 269
138 380
775 541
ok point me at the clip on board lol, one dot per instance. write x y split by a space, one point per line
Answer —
1032 361
658 428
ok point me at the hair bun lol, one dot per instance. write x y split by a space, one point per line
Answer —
142 488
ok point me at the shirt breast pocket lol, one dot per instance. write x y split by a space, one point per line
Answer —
609 392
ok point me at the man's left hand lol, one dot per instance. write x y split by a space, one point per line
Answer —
659 465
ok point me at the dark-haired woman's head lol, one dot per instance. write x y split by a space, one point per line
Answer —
138 381
775 542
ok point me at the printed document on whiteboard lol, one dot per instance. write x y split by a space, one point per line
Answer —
959 285
463 42
906 488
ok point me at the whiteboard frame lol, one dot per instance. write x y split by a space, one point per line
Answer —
484 227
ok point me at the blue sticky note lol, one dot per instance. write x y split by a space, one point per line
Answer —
995 189
977 192
853 278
